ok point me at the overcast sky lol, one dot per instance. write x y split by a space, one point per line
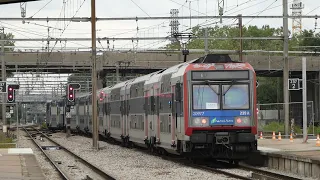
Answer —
132 8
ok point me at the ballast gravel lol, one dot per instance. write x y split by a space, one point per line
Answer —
127 164
67 163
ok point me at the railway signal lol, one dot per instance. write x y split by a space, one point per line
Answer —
11 92
70 103
70 92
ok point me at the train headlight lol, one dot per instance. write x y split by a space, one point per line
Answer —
242 121
200 121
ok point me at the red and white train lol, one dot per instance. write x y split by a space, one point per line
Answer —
202 108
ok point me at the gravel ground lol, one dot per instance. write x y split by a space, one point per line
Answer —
47 169
123 163
237 171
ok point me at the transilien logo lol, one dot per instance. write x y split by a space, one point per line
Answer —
214 120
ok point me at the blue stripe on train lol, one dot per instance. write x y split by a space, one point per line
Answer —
221 113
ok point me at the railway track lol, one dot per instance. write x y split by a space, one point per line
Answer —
223 168
62 159
252 172
259 173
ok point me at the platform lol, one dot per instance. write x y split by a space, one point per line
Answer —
295 157
269 145
19 164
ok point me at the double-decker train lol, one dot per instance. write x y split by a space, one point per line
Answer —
202 108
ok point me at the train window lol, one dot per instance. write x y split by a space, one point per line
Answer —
165 83
236 96
206 97
178 93
137 122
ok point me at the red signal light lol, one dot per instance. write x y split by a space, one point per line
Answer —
10 96
239 120
71 88
10 89
71 95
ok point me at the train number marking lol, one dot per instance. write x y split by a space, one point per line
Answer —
244 113
198 113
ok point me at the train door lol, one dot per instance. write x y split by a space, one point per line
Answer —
178 106
157 113
123 117
173 118
147 113
127 113
152 117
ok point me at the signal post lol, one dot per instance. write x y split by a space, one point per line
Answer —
10 101
70 104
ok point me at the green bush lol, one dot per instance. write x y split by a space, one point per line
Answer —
44 125
274 126
279 127
316 130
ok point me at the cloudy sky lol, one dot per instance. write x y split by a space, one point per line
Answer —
132 8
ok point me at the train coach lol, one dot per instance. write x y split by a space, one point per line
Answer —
204 108
55 114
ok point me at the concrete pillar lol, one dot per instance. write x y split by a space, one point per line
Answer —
316 97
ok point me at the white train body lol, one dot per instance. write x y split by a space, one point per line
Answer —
158 110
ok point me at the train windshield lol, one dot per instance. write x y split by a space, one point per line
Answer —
236 96
206 97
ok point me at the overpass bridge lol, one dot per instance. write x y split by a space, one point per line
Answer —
68 62
32 98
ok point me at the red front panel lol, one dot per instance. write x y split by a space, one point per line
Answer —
186 91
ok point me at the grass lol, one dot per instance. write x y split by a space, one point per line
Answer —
4 139
279 127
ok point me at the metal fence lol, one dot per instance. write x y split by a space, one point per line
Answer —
271 117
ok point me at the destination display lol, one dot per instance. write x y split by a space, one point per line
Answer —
220 75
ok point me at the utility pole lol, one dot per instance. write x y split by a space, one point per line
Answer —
94 77
3 75
174 23
285 66
304 97
117 72
206 40
241 35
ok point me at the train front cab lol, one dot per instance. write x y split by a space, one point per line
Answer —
220 119
56 120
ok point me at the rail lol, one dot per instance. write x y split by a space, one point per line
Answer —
61 173
93 167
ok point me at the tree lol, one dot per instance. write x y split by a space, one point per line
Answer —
9 42
269 90
309 40
227 31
